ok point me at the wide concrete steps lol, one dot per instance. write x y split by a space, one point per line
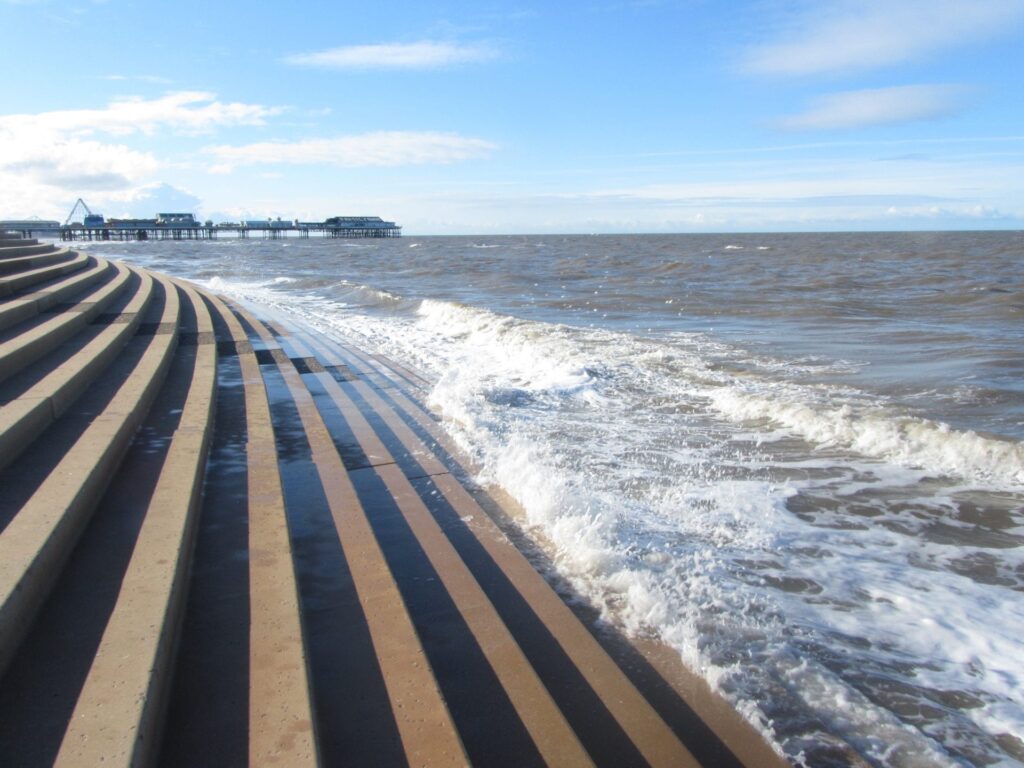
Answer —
229 541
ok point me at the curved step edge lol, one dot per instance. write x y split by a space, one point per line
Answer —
19 308
27 416
13 283
45 336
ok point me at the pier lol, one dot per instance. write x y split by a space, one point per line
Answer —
268 231
226 539
185 226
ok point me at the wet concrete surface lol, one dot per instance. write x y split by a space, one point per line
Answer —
207 717
355 723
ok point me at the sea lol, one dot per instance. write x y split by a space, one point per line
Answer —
794 458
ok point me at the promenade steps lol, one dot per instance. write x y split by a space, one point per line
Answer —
227 540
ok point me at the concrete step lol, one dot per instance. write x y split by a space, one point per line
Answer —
36 542
118 713
26 342
29 410
425 726
12 284
40 297
8 240
9 253
11 263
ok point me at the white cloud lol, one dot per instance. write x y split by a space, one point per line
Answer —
146 200
383 148
184 111
426 54
52 160
849 35
879 106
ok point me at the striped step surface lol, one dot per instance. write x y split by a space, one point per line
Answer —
227 540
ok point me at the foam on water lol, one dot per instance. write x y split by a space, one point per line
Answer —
914 442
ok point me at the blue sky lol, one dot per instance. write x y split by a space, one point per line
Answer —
476 117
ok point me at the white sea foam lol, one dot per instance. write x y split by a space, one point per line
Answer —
913 442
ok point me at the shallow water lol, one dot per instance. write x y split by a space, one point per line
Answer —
796 458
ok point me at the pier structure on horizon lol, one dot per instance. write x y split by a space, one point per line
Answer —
185 226
166 228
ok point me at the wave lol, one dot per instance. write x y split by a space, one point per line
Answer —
826 416
661 529
912 442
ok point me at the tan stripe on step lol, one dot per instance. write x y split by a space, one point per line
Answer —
280 713
428 734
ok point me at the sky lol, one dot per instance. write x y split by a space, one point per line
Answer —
582 116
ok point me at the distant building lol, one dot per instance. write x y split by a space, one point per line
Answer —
29 225
131 223
359 222
176 220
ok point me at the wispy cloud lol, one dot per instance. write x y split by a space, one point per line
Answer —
382 148
426 54
880 106
140 78
185 111
837 36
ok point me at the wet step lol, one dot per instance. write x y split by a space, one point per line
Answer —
408 430
566 719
